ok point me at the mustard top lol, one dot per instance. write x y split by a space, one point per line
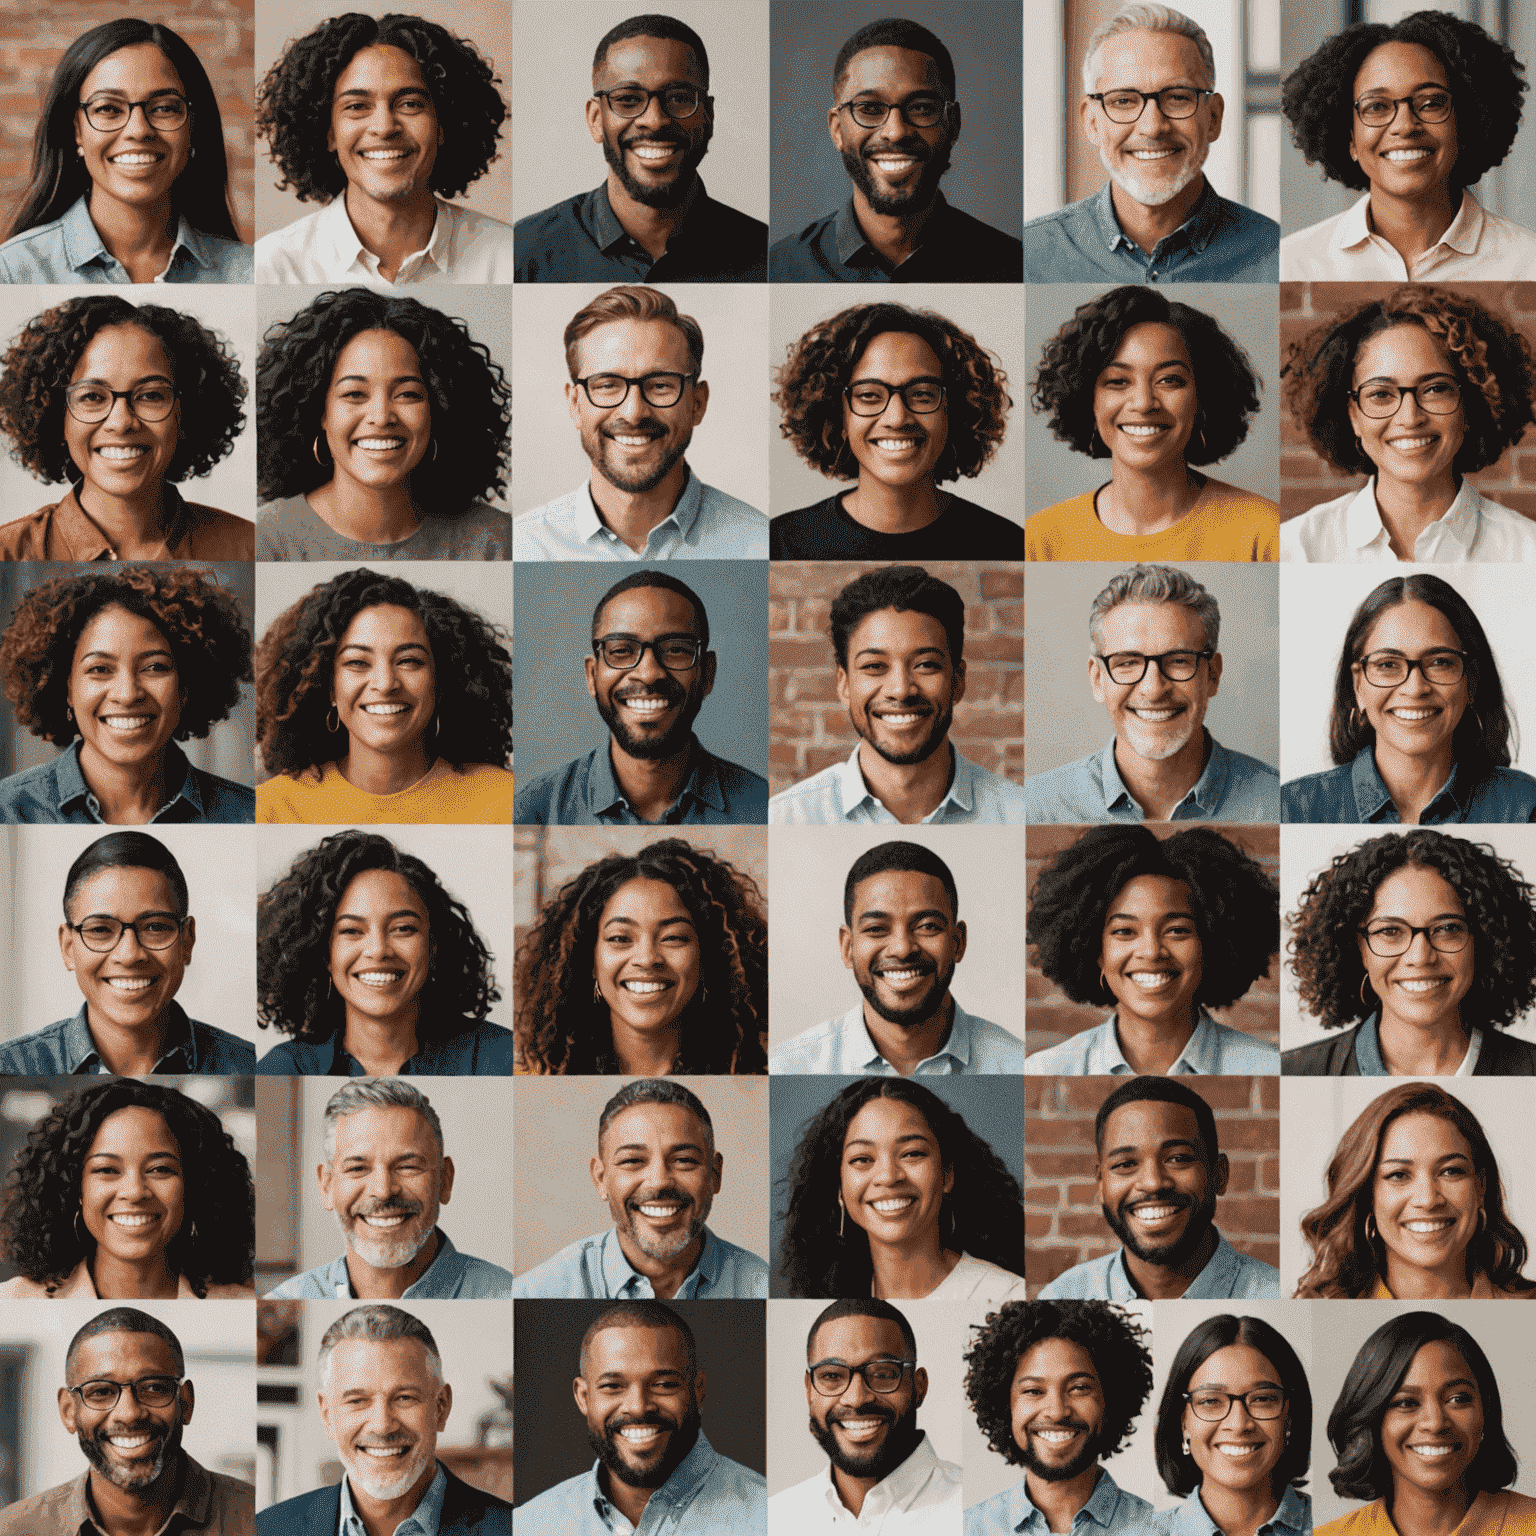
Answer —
1492 1514
481 793
1225 523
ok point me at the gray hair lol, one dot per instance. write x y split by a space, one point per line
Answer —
656 1090
1142 16
1155 584
381 1324
360 1093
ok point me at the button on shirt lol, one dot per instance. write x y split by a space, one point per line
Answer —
1292 1518
422 1521
956 248
1356 792
1110 1511
1220 242
844 1047
69 250
451 1276
1370 1062
596 1268
56 792
584 793
1228 1274
62 531
1212 1049
211 1504
838 796
706 524
322 247
67 1048
921 1497
707 1493
478 1049
1349 531
1232 787
582 241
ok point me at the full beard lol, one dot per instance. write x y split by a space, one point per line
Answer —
651 748
1171 1254
1092 1449
936 737
632 482
661 1250
895 204
671 194
899 1443
122 1477
384 1252
1151 194
373 1481
920 1012
684 1436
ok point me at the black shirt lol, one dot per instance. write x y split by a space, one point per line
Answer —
956 249
962 531
582 241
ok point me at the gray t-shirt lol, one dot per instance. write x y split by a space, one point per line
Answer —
293 530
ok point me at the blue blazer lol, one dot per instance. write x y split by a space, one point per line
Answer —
466 1512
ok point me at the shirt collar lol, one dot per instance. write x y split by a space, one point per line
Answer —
609 232
80 1048
590 525
180 782
83 243
1352 231
702 783
1293 1515
1100 1508
849 239
336 227
438 1277
195 1497
902 1486
679 1490
1199 1055
1198 230
1373 799
426 1517
859 1054
1215 1280
619 1274
1456 527
83 540
852 791
1208 790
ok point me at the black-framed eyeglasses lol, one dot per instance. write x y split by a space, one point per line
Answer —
1127 667
159 930
1378 399
608 390
1427 106
1173 101
677 101
101 1393
831 1377
869 397
1391 936
90 402
165 110
1388 669
919 112
1213 1407
677 653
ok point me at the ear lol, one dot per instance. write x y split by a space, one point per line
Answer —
960 942
579 1392
67 950
598 1175
325 1414
949 1180
1214 664
1223 1173
69 1404
954 118
919 1386
324 1176
444 1406
1217 108
844 945
700 1386
573 397
1092 126
445 1183
709 673
589 664
842 687
595 119
700 401
959 689
188 940
719 1169
1098 679
188 1402
834 127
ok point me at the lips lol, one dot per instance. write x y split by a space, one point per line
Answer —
655 154
1427 1227
384 156
1407 156
1239 1450
1155 1213
384 711
121 453
132 1221
1150 155
130 986
387 1215
892 1205
641 1435
1057 1437
1433 1452
860 1428
1143 431
378 978
647 987
1421 986
1152 981
383 1452
379 444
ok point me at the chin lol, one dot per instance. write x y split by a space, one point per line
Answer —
1150 194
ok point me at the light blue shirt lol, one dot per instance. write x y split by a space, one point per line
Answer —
838 797
844 1046
1356 792
706 524
69 250
422 1521
1231 787
451 1276
707 1493
1110 1511
1213 1049
596 1267
1293 1518
1228 1275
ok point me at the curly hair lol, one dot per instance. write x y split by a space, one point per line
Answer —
216 1239
39 363
1487 84
562 1029
1492 362
986 1205
209 637
472 674
1112 1338
1500 907
820 364
471 401
1236 907
293 102
1346 1258
294 917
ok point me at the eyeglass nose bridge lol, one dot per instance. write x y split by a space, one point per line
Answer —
1413 934
862 1372
1408 663
600 649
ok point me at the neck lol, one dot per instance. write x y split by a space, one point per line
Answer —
129 793
633 514
381 1517
904 1046
1148 224
119 1278
381 1046
1059 1502
366 514
392 231
1413 781
645 1055
375 774
1451 1280
894 508
1420 1512
910 1273
650 784
127 1052
665 1275
1158 784
631 1501
894 235
909 791
1151 1046
140 1513
1238 1512
1167 1282
369 1283
1407 508
139 235
1411 1050
1412 225
1138 502
650 228
135 526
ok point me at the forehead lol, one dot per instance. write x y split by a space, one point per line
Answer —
138 69
1435 1362
897 356
1151 628
885 1119
1149 1123
647 612
654 1125
116 631
383 627
377 355
897 631
1414 891
123 354
900 890
634 1349
381 70
1422 1135
634 348
376 1364
1398 67
1405 626
122 1355
1150 896
649 61
384 1129
379 891
1404 352
643 901
1150 345
1235 1364
133 1128
124 891
890 72
854 1340
1148 61
1056 1357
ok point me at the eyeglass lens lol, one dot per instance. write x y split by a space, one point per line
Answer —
1131 666
879 1376
94 402
1427 106
103 933
1390 937
1264 1403
611 389
1439 397
1127 106
152 1392
105 113
922 112
869 397
677 101
1386 669
676 655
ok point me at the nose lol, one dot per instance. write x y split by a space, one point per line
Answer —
381 1416
380 1181
1237 1414
857 1391
649 667
383 123
1149 1177
1409 409
128 947
1420 951
654 115
897 412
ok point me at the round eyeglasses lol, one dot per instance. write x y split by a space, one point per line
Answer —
166 111
1427 106
607 390
1128 667
91 402
831 1378
1391 936
1213 1407
869 397
920 112
677 101
1173 101
101 1393
1388 669
1378 399
103 934
677 653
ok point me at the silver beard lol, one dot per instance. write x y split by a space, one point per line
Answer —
373 1484
382 1252
1151 195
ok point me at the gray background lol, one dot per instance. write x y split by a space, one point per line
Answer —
1247 312
1068 722
984 40
558 717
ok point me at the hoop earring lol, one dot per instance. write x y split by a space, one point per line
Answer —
1365 1002
333 714
79 1236
842 1216
315 449
1097 447
1200 428
1105 986
1360 447
1482 1222
433 459
437 730
1370 1227
1357 720
597 991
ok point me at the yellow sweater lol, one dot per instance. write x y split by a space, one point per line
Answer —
1492 1514
481 793
1225 523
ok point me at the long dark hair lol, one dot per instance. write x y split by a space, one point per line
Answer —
59 176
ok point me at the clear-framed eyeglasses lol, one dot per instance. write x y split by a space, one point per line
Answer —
88 401
165 111
100 1394
831 1377
1173 101
679 102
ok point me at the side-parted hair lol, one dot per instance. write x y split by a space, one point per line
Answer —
1160 1090
379 1323
360 1093
126 850
652 24
124 1320
643 1313
1155 584
894 32
912 858
862 1306
631 301
656 1090
1139 17
667 584
907 589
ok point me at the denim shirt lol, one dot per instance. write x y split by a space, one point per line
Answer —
68 1048
838 796
1110 1511
69 250
56 792
424 1520
1292 1518
844 1047
451 1276
472 1049
596 1267
1356 792
1212 1049
1220 242
1227 1274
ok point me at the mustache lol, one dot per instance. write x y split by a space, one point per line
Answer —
389 1207
914 147
669 1195
653 1420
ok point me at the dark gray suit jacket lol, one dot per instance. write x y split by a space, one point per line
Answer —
466 1512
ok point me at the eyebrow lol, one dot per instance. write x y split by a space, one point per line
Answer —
1070 1376
634 922
1222 1386
362 378
163 1152
1386 378
1423 85
1168 362
1162 1146
147 378
155 650
117 90
138 916
1392 917
355 917
1113 917
1440 1157
640 1146
404 645
668 634
922 650
867 1141
875 914
367 95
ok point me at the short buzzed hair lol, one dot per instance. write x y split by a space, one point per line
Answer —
894 32
907 589
667 584
124 1320
1155 584
1160 1090
643 1314
360 1093
1141 16
652 25
379 1323
906 857
863 1306
631 301
656 1090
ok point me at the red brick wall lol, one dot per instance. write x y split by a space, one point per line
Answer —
1053 1016
35 33
809 729
1306 477
1063 1223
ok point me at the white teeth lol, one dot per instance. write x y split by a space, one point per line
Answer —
384 154
899 719
629 440
383 1451
1432 1450
640 1434
1427 985
653 151
124 1220
379 444
1424 1227
134 159
129 1442
123 451
861 1429
1139 431
894 167
1409 444
1151 1213
896 444
900 976
660 1212
130 983
1237 1452
1413 715
648 706
378 978
1055 1436
126 722
645 988
1154 716
392 1220
890 1207
386 709
1150 981
1408 154
1153 154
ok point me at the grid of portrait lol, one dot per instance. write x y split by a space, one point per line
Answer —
424 1150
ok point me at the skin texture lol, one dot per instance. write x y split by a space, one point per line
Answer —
1398 69
1149 383
1056 1403
898 667
383 688
1405 463
1426 1199
1236 1488
133 1202
1151 959
1436 1404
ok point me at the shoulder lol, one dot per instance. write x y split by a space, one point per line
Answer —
987 535
807 533
750 1281
232 1496
994 1049
277 254
979 1280
990 1515
1067 1057
734 517
1308 252
1053 532
542 241
1505 1055
800 1052
479 532
46 1511
560 1276
492 1049
805 804
551 1506
1508 249
734 224
462 1499
540 796
1516 791
1319 796
232 1056
1301 536
1368 1520
287 797
1234 501
737 780
214 534
1239 218
533 226
1242 1053
1323 1058
794 247
1045 223
223 799
31 795
1256 1280
35 1054
293 1515
22 1289
290 1058
475 222
1083 1282
37 255
308 1286
230 1291
985 240
26 538
1062 793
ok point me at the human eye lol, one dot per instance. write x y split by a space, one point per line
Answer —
90 395
1207 1399
1180 1159
868 394
1122 101
1438 389
100 932
1179 96
1379 394
1265 1400
417 101
1392 932
158 928
627 100
1115 381
1394 1176
108 111
1404 1402
1173 381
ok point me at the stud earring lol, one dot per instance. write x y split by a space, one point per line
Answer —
1186 1442
69 714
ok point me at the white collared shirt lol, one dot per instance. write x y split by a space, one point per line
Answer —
920 1498
1348 530
1479 247
322 247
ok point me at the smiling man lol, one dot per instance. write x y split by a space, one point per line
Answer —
1151 109
640 1391
1154 666
902 939
651 220
384 1179
1056 1387
658 1171
649 673
126 1400
898 636
895 121
1160 1174
635 395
